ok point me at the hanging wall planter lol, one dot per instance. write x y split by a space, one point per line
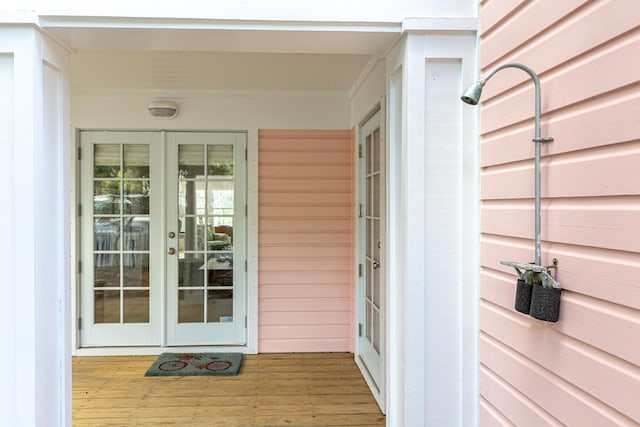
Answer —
537 292
545 300
524 288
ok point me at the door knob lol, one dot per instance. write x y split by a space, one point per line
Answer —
171 234
171 251
376 265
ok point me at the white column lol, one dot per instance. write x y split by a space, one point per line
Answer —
34 197
434 219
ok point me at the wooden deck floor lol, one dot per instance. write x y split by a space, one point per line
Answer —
270 390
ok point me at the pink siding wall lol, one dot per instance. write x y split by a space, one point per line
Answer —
585 369
306 240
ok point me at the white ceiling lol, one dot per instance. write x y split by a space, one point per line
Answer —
223 71
219 55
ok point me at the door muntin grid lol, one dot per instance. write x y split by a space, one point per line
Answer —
121 220
205 222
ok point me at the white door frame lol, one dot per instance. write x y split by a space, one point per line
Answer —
251 346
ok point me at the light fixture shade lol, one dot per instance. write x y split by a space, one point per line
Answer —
163 109
473 93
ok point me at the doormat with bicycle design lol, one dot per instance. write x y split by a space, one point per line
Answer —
183 364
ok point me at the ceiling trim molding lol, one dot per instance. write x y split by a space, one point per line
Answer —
49 21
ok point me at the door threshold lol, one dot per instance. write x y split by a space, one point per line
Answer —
157 350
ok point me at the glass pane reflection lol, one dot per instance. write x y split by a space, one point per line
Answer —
191 270
190 306
220 160
106 270
106 161
106 197
136 197
136 270
220 269
191 161
136 307
107 306
220 306
136 161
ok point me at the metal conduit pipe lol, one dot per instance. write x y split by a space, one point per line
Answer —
472 96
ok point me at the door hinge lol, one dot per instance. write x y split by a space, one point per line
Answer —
360 210
359 150
246 154
246 265
245 321
79 153
360 268
360 329
79 323
79 209
79 267
246 210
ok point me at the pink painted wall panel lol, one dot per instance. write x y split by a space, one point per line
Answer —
518 408
584 369
569 85
571 174
532 19
586 224
578 33
306 241
493 12
616 114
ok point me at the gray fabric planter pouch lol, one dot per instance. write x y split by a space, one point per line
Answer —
545 303
523 296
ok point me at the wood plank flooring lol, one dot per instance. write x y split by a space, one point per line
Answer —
324 389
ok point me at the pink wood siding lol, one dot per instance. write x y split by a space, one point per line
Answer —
306 240
585 369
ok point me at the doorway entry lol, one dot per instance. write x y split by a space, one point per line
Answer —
162 244
371 241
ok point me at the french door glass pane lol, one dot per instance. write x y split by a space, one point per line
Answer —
107 306
372 237
106 270
368 153
136 197
106 161
190 273
136 306
219 160
205 222
376 150
190 306
136 270
220 306
191 161
121 218
106 197
136 161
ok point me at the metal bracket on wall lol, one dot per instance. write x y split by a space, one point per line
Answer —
544 270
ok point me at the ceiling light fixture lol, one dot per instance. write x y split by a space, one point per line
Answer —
163 109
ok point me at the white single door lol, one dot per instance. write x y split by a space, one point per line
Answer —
206 255
120 266
162 238
371 290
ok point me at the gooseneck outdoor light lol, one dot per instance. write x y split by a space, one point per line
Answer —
472 96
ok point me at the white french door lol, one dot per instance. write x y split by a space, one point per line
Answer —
371 289
206 247
162 238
